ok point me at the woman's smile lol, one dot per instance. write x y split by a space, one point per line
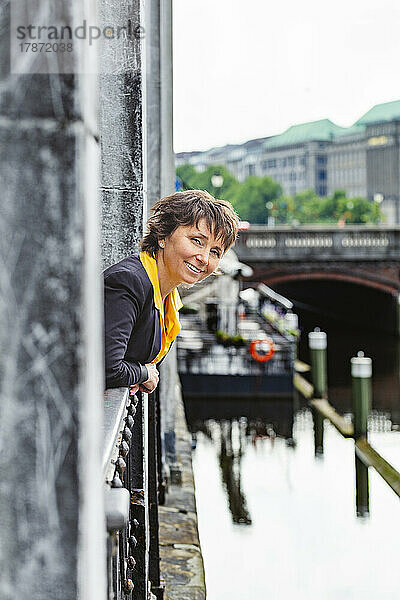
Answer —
193 268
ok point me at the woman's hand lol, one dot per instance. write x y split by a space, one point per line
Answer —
133 389
152 382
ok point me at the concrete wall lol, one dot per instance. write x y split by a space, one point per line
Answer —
51 515
122 133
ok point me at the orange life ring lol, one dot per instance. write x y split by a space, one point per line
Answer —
262 357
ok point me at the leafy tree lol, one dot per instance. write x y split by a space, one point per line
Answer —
187 174
309 208
306 207
193 180
256 198
205 181
356 210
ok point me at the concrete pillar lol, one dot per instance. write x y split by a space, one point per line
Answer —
166 60
160 175
52 542
122 133
153 102
159 102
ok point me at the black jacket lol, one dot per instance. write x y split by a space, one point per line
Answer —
131 323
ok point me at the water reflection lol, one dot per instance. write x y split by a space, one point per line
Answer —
265 421
362 488
279 492
318 421
229 462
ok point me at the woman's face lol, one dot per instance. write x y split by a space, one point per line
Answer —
190 254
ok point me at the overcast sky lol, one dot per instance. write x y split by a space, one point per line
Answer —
247 69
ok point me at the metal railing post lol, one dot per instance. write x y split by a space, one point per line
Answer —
153 459
138 529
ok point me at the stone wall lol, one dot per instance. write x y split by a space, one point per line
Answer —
51 543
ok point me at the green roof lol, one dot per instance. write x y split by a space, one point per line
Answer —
353 130
321 131
389 111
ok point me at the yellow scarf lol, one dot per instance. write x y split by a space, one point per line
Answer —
167 310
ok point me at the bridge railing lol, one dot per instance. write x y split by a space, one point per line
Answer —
132 472
330 242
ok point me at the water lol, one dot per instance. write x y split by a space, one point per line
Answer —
277 522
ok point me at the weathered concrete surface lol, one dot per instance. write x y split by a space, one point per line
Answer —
181 560
121 134
52 537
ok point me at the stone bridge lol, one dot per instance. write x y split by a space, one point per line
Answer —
363 255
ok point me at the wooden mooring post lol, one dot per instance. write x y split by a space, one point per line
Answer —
361 373
365 455
317 344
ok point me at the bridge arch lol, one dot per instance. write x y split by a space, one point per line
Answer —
358 279
345 298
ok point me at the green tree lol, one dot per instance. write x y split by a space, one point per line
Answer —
261 197
306 207
256 199
356 210
205 181
309 208
193 180
187 175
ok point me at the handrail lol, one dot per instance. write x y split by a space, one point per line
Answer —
115 407
130 462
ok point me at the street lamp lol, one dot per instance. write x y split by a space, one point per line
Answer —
217 181
378 198
271 220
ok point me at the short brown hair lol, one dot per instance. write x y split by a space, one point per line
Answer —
188 208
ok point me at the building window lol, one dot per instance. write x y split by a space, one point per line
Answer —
321 190
291 161
303 161
283 163
271 163
321 175
292 176
251 169
321 161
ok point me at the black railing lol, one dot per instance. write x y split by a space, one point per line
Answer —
220 360
132 471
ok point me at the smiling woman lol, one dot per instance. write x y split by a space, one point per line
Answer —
187 235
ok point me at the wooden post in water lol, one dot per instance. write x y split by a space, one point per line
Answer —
317 344
361 371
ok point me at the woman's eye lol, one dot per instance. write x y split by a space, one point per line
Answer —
216 252
197 240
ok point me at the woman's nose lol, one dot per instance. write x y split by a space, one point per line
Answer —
203 256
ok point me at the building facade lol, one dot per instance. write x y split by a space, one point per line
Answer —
362 159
